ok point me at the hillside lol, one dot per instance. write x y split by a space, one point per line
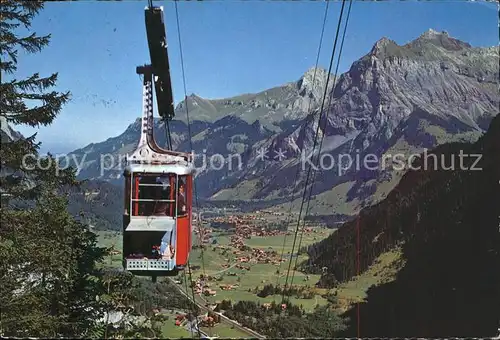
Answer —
226 126
447 224
396 99
99 204
272 107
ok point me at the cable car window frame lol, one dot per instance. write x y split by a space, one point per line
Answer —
184 179
136 199
127 196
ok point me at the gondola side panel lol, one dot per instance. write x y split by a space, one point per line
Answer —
126 215
190 211
182 242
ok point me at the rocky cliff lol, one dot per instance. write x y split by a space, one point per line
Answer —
397 99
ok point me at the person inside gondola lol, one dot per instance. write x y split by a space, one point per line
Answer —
181 200
162 193
156 252
166 249
146 208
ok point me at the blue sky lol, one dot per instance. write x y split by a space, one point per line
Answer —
229 47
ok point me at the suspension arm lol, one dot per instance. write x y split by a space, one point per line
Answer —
157 42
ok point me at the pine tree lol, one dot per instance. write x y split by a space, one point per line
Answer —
47 259
128 304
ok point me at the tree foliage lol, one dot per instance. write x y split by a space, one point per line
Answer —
275 321
448 218
300 292
47 258
52 282
98 203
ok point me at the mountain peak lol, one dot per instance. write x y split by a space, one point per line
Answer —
440 39
7 133
432 33
312 80
309 74
385 47
424 45
383 42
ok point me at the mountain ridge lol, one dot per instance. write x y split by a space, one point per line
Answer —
431 90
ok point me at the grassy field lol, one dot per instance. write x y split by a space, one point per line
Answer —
383 270
276 242
111 239
259 274
224 331
171 331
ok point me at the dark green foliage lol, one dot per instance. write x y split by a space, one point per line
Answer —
51 286
48 261
325 323
17 14
224 305
383 222
135 301
301 292
163 294
291 322
450 284
50 282
48 273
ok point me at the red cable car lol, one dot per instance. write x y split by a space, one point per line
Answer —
157 223
157 220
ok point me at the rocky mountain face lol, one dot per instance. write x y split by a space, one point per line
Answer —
228 127
272 107
7 134
395 100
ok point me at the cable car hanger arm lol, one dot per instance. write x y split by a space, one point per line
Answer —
160 66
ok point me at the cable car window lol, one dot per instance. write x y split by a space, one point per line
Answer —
162 193
152 194
182 197
127 195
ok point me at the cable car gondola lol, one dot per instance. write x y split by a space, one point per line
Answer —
157 222
157 219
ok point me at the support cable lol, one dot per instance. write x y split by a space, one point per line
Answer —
188 126
314 146
323 135
168 136
194 182
288 220
194 304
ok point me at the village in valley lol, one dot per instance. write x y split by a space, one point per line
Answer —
234 256
243 251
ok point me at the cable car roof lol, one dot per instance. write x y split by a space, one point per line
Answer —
175 168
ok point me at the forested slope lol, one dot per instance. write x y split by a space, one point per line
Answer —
98 203
420 197
448 220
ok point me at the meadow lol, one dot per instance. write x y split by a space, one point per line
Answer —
260 274
221 265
